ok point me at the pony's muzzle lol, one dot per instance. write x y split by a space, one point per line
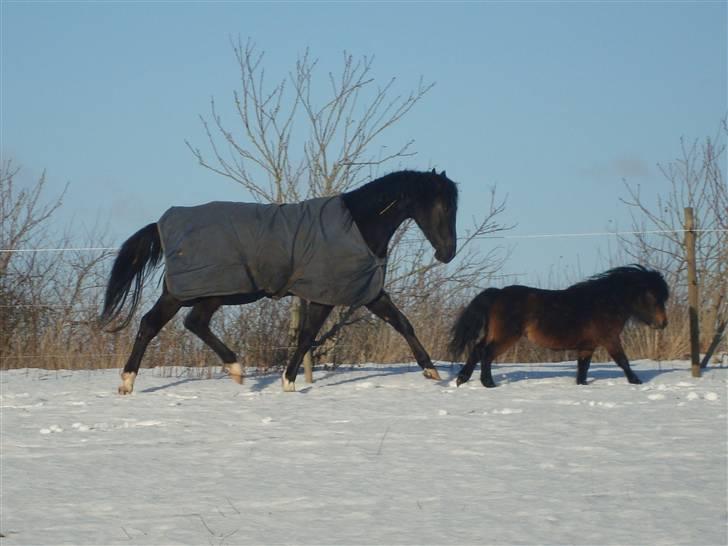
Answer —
659 323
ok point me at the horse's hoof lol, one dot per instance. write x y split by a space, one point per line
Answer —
235 371
460 380
431 373
635 380
288 386
489 385
127 385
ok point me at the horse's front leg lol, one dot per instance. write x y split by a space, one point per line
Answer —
314 318
198 322
387 311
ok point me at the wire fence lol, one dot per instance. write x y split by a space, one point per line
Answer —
565 235
505 236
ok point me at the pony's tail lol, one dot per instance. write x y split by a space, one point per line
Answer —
472 323
137 258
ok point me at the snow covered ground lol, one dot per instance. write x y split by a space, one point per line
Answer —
369 455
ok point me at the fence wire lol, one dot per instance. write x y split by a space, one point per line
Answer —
418 241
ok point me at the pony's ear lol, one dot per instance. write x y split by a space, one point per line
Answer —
443 174
434 171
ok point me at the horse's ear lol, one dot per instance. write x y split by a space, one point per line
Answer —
443 174
434 171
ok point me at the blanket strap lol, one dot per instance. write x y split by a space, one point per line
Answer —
385 209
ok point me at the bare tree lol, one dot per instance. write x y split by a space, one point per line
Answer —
47 290
695 179
337 138
23 215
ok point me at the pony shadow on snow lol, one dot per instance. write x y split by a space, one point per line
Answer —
598 372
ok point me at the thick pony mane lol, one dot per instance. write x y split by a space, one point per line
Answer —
635 277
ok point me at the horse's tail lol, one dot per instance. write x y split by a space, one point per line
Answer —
137 258
472 323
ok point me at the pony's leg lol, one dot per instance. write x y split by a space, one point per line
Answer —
387 311
198 322
582 366
473 358
616 351
150 325
314 318
486 359
491 351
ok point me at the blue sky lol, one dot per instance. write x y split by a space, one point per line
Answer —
555 103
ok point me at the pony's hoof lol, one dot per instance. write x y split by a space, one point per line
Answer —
489 384
460 380
635 380
123 389
431 373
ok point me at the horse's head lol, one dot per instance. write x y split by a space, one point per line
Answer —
434 209
649 305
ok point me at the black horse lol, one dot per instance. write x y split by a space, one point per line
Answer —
582 317
377 209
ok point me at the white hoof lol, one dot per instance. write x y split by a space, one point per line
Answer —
235 371
288 386
127 382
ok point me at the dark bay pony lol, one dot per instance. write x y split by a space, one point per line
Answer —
582 317
377 209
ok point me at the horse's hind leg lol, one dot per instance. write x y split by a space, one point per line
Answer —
198 322
150 325
387 311
582 366
313 320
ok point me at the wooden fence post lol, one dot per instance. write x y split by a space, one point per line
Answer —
692 292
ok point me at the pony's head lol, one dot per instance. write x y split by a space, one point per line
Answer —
649 306
646 290
434 208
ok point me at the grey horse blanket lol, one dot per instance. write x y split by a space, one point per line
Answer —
312 249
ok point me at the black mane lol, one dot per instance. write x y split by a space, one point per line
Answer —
422 186
633 276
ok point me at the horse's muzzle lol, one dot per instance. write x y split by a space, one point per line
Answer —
446 256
